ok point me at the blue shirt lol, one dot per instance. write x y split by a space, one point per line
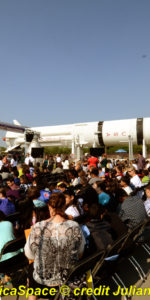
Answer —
103 198
7 207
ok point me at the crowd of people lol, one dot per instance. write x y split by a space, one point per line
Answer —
71 208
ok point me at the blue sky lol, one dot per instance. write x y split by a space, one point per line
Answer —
68 61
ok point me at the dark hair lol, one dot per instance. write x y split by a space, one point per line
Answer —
69 192
58 201
16 173
95 210
126 179
94 171
10 178
42 213
3 191
147 187
25 179
120 193
145 172
2 216
101 185
73 172
119 168
62 185
33 192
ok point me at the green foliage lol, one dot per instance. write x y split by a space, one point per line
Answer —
86 150
61 150
2 150
136 149
57 150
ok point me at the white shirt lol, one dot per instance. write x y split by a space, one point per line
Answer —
135 180
75 181
72 211
135 166
65 164
29 159
147 206
13 163
1 164
58 159
128 190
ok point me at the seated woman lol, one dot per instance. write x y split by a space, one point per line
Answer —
55 245
71 209
6 235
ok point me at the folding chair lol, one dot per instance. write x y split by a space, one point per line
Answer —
17 265
82 267
119 251
13 217
142 240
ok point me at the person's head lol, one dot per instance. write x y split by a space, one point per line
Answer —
78 166
3 193
121 195
2 216
73 174
56 204
59 165
4 159
15 173
94 172
81 173
23 179
19 167
96 211
10 181
125 181
36 172
33 193
119 169
30 164
61 186
69 196
131 171
147 191
99 186
41 213
83 181
145 172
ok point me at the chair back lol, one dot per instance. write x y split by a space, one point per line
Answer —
13 217
14 245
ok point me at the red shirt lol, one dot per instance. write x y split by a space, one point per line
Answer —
93 161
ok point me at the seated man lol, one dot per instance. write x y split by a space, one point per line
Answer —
131 211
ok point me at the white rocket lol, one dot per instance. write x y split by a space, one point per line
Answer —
91 134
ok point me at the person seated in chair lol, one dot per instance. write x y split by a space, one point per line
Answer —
100 230
6 235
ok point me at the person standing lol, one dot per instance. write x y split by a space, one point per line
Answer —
29 159
140 162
